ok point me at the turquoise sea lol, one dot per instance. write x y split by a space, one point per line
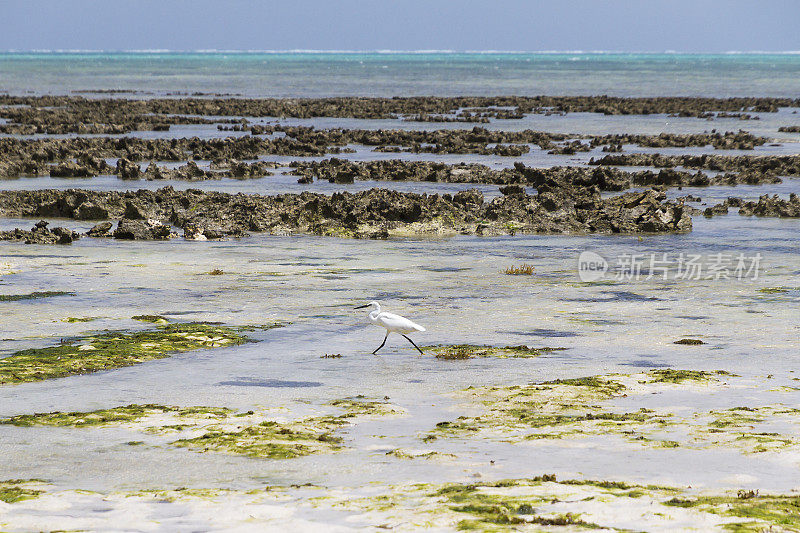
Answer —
313 74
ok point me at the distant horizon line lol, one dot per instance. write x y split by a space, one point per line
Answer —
389 52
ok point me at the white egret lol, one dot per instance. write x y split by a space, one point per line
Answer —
393 324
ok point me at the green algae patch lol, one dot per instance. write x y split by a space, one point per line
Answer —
114 349
491 506
577 408
285 440
219 429
78 319
762 512
356 408
501 506
400 453
17 490
669 375
473 351
603 386
773 290
750 429
689 342
361 406
534 504
269 440
33 295
620 488
540 503
736 417
152 319
550 410
261 327
115 415
187 493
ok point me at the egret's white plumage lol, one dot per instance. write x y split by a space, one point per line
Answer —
392 323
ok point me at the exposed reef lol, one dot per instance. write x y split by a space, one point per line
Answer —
772 206
752 167
75 114
223 168
766 206
337 170
502 143
376 213
82 157
40 234
86 156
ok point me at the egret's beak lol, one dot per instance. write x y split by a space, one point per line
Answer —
362 306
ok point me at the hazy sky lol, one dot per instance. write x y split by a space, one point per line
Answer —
642 25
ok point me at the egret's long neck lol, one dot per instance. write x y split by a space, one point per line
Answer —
373 316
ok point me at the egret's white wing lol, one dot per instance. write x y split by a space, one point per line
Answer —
398 324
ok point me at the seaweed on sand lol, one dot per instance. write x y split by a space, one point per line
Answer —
114 349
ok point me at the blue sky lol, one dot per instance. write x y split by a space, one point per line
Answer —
643 25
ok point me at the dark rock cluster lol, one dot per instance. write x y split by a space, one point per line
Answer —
567 199
755 168
772 206
75 114
86 156
40 234
605 178
766 206
376 213
133 229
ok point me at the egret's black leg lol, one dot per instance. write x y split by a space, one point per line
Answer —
415 346
384 342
